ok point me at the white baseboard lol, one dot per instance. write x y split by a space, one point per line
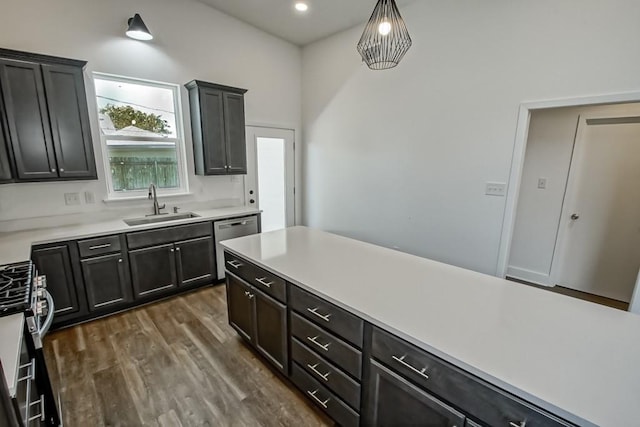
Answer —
534 277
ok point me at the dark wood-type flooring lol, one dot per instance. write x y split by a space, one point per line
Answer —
620 305
172 363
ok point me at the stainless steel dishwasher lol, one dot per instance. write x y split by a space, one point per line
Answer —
230 229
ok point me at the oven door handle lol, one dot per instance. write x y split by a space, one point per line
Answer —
47 322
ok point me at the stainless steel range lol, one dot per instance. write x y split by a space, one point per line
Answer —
32 399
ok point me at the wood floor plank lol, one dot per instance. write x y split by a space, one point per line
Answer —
173 363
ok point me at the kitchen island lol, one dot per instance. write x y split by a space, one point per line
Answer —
575 359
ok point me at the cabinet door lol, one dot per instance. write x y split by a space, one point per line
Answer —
271 328
106 281
28 126
240 307
6 173
195 261
392 401
236 145
213 133
55 263
69 117
153 270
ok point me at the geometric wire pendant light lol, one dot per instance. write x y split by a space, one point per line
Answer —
385 39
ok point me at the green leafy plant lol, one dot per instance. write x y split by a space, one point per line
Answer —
125 115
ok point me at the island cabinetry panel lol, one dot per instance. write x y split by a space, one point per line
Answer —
327 315
218 128
395 401
471 395
260 278
259 319
45 116
105 270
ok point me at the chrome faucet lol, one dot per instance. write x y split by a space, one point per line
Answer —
154 196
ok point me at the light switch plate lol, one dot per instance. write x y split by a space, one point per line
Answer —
71 199
542 183
496 189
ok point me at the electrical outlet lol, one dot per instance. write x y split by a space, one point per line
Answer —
89 197
71 199
496 189
542 183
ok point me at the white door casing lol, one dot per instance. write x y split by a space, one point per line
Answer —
252 186
598 243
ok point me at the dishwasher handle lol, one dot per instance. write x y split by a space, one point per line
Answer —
237 223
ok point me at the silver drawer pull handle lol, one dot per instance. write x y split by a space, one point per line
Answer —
314 340
261 280
313 395
106 245
420 372
520 424
318 373
314 310
234 264
248 294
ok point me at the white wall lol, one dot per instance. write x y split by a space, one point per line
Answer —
192 40
548 155
401 157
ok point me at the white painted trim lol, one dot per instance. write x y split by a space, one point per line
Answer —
634 306
519 150
535 277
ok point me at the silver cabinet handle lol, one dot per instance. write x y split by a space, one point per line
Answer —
248 294
235 264
262 282
314 340
313 395
520 424
318 373
420 372
53 170
120 260
178 249
173 250
93 248
314 310
61 170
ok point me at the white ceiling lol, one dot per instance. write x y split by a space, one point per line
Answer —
278 17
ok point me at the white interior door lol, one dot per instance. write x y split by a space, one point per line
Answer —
598 247
270 179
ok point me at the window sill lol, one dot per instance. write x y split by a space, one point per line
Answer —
115 200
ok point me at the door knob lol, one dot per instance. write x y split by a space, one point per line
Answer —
575 216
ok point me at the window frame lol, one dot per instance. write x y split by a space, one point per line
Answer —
178 140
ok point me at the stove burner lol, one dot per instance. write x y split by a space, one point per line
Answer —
15 287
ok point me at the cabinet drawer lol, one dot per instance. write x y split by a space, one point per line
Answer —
260 278
99 246
326 373
333 318
328 345
323 398
479 399
160 236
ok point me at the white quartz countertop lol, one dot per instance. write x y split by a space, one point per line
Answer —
16 246
574 358
11 329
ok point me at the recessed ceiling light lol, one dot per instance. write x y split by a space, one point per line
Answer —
301 6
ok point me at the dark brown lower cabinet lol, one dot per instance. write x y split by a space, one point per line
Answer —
195 261
106 281
259 319
55 263
394 401
153 270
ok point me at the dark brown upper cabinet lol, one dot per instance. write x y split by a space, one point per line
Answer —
45 118
218 128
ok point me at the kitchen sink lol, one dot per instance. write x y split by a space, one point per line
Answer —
151 219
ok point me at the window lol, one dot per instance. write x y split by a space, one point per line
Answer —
141 135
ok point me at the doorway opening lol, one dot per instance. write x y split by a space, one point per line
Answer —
269 184
575 206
